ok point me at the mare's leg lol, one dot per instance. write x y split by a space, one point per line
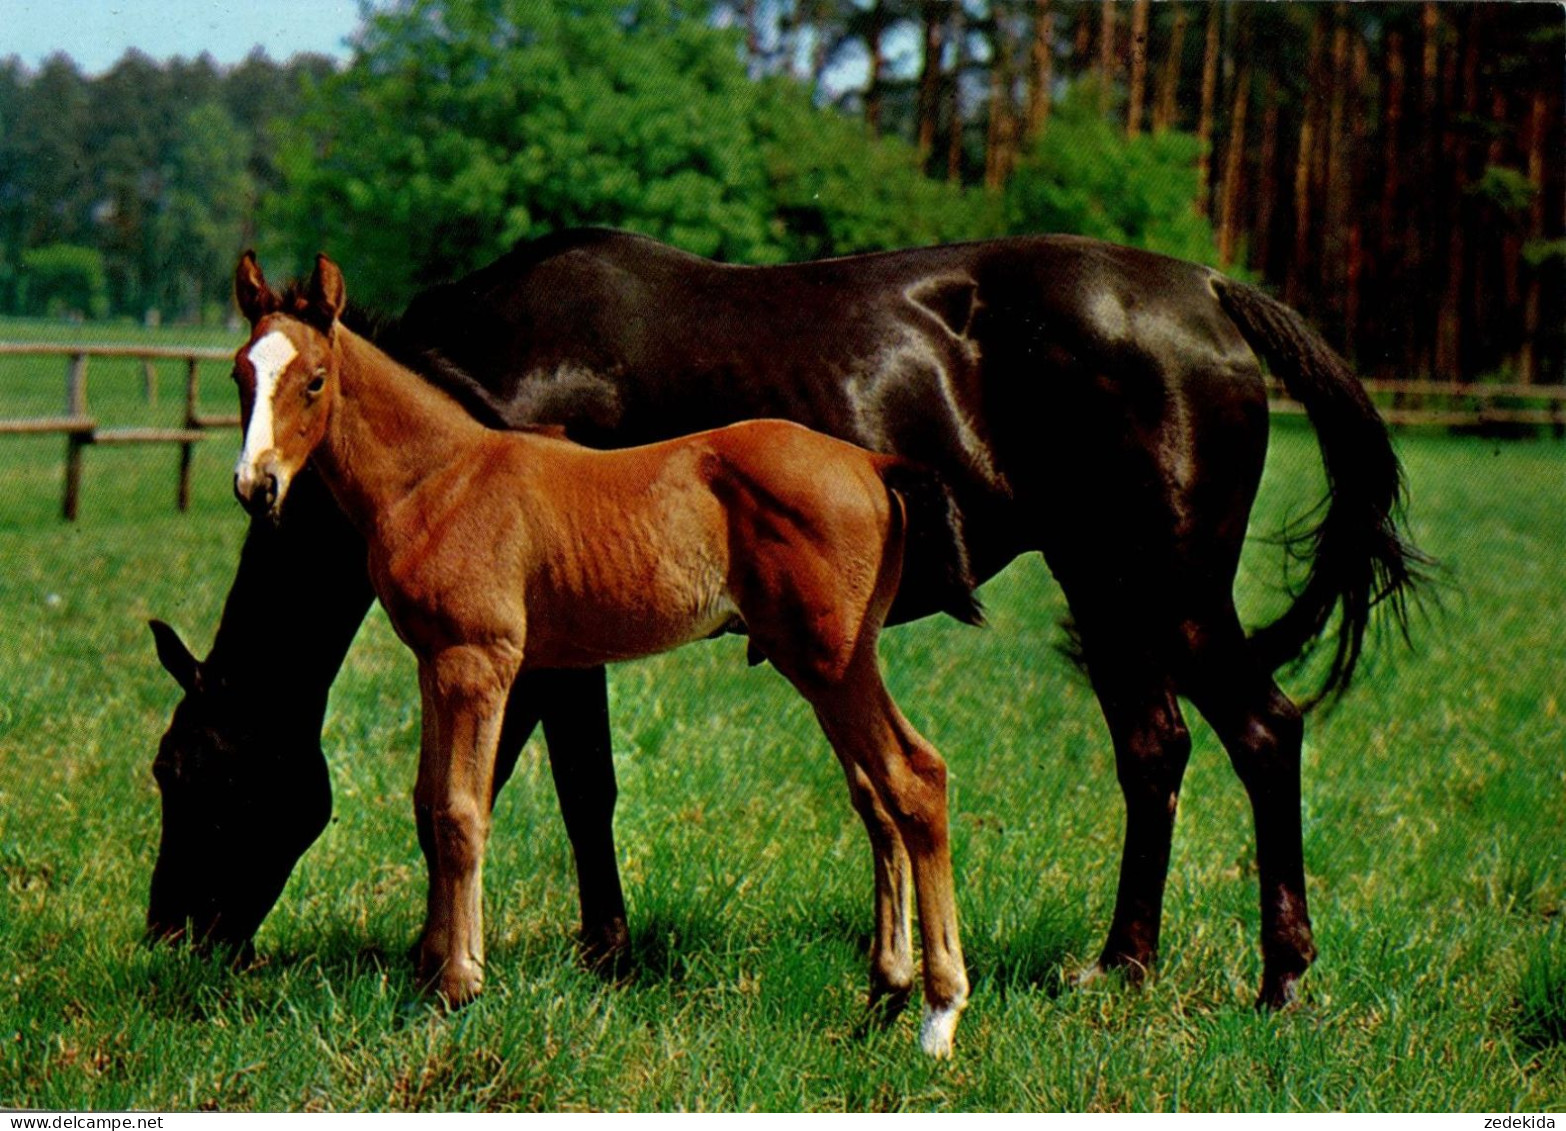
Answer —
574 707
1262 731
464 691
908 776
1152 747
576 727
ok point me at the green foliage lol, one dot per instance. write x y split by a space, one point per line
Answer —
836 191
1084 176
208 197
65 279
1536 253
1505 188
463 126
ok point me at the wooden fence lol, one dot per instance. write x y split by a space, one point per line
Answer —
1440 404
1411 403
81 429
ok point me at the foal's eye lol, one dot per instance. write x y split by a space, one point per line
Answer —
317 383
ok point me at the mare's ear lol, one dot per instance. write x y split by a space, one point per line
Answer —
326 292
175 657
256 299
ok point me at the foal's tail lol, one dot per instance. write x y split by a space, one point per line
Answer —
1359 554
936 577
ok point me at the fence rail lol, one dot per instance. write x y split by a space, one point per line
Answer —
81 430
1450 405
1411 403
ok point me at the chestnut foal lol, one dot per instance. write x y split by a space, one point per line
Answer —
498 552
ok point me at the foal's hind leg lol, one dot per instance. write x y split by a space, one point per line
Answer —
1263 732
908 776
891 953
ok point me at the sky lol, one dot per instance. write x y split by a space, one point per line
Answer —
97 32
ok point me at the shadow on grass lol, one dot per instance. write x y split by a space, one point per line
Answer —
1029 957
1541 996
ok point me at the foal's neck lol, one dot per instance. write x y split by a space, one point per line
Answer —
389 430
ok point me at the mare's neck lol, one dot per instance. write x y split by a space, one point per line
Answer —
389 430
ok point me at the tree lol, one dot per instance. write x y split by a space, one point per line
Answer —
1085 176
463 126
64 280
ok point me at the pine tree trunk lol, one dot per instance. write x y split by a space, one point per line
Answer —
1354 249
930 77
1391 137
1138 90
1204 123
1421 219
873 47
1000 140
1106 54
1294 286
1040 92
1267 179
955 123
1337 188
1229 209
1449 327
1169 80
1527 358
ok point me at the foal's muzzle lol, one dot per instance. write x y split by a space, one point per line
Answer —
260 490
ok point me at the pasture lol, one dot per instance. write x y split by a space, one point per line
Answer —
1434 806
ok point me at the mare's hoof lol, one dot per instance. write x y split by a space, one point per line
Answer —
1280 990
1136 972
606 949
938 1030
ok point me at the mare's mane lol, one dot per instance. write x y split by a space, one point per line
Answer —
394 336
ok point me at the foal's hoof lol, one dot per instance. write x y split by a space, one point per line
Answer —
456 983
938 1030
886 1006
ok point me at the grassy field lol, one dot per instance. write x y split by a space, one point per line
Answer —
1434 803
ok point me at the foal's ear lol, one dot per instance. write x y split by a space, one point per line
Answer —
256 299
327 294
175 657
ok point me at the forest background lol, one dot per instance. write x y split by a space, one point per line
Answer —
1394 170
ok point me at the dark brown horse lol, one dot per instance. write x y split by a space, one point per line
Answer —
500 552
1100 405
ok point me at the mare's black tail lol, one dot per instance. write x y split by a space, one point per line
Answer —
936 577
1359 554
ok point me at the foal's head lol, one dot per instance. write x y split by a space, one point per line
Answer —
287 377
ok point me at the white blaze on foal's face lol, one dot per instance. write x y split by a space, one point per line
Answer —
269 358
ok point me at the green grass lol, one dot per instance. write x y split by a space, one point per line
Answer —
1433 802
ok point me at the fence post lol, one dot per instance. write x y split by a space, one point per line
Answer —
187 449
75 405
149 379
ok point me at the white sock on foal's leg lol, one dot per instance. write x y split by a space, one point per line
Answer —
938 1028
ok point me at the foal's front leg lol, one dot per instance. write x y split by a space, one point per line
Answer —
464 693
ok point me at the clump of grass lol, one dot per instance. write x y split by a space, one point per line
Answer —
1542 994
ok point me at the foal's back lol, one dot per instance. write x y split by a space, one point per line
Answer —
597 556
